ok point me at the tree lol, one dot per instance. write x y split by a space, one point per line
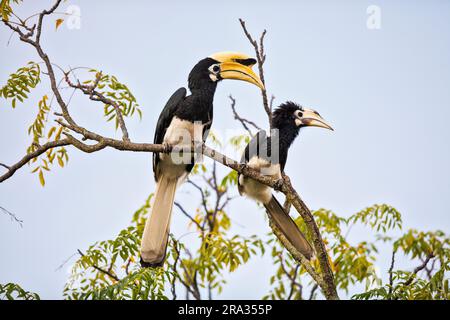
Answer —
109 269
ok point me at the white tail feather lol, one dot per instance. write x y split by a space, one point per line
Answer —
156 231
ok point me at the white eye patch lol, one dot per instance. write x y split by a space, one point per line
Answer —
298 115
214 71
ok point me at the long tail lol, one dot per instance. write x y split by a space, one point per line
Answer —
156 231
290 230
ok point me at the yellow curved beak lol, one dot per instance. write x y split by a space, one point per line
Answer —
237 66
237 71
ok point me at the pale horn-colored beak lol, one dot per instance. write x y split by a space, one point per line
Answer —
311 118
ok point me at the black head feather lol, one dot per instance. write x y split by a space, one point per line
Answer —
199 75
284 115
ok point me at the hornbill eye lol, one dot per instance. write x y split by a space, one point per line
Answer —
216 68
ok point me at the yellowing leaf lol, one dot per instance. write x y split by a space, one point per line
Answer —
58 134
58 23
51 131
41 178
61 162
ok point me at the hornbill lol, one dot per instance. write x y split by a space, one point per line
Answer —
186 119
268 155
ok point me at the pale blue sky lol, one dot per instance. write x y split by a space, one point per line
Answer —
386 93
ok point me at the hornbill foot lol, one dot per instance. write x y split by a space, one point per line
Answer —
150 265
279 184
166 147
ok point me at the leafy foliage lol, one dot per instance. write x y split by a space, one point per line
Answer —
356 263
110 270
111 88
5 8
12 291
37 130
21 82
432 250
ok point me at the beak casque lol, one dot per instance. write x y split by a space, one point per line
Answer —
237 66
312 119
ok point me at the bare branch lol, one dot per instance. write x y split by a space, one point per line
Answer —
390 272
287 206
202 194
242 120
313 291
5 166
292 196
419 268
297 255
193 290
326 278
187 215
12 216
97 96
292 278
261 58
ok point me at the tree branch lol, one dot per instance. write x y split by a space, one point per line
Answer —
419 268
261 58
187 215
391 276
242 120
12 216
325 281
94 95
40 150
108 273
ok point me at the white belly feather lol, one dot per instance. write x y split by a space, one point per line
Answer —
180 133
254 189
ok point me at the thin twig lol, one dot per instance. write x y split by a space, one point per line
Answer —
313 291
419 268
108 273
242 120
12 216
187 215
391 276
261 58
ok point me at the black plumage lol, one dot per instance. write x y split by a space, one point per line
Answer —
185 118
198 106
269 154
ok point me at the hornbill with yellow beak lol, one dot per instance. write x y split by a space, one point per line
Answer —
186 119
268 155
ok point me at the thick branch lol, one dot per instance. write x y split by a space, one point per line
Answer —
292 196
297 255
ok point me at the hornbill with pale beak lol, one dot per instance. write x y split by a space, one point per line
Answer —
186 119
268 155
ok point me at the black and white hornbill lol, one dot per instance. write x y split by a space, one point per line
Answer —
268 155
183 120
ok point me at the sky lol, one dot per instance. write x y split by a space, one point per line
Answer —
385 91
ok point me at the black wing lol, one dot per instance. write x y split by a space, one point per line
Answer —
257 146
164 120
